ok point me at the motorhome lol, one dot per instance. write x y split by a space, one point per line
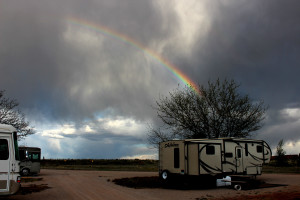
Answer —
9 160
30 160
217 157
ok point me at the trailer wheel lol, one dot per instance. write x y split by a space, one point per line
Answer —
237 187
165 175
25 172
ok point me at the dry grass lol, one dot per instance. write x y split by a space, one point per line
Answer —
101 164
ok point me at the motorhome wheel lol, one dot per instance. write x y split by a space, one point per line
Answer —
25 172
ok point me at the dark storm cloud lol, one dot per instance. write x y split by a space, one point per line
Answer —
68 81
65 72
257 43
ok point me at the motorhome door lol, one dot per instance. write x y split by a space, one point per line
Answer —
4 164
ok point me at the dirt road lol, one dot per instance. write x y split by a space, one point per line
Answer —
98 185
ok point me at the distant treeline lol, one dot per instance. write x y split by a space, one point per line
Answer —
101 164
97 162
288 157
286 160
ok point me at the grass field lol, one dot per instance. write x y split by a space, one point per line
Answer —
101 164
281 170
133 165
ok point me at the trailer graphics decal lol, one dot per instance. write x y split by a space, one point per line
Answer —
171 144
210 161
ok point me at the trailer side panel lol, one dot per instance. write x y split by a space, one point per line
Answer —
192 159
172 157
210 158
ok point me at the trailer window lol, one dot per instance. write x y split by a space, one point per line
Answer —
176 157
259 149
228 155
246 149
210 150
4 153
239 153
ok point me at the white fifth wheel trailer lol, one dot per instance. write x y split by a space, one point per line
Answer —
217 157
9 160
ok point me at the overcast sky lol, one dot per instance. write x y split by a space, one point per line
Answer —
84 72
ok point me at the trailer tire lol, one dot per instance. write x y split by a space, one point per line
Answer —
25 172
165 175
237 187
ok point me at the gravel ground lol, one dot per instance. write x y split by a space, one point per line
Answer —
98 185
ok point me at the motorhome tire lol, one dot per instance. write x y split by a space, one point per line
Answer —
25 172
165 175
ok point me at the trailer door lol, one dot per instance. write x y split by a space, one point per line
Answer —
4 164
239 160
210 158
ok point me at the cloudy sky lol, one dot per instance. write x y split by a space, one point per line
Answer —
86 72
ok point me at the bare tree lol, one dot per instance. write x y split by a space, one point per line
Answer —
280 153
219 111
9 114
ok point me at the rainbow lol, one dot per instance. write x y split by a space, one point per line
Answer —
126 39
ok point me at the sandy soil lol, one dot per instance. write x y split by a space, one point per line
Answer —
72 184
